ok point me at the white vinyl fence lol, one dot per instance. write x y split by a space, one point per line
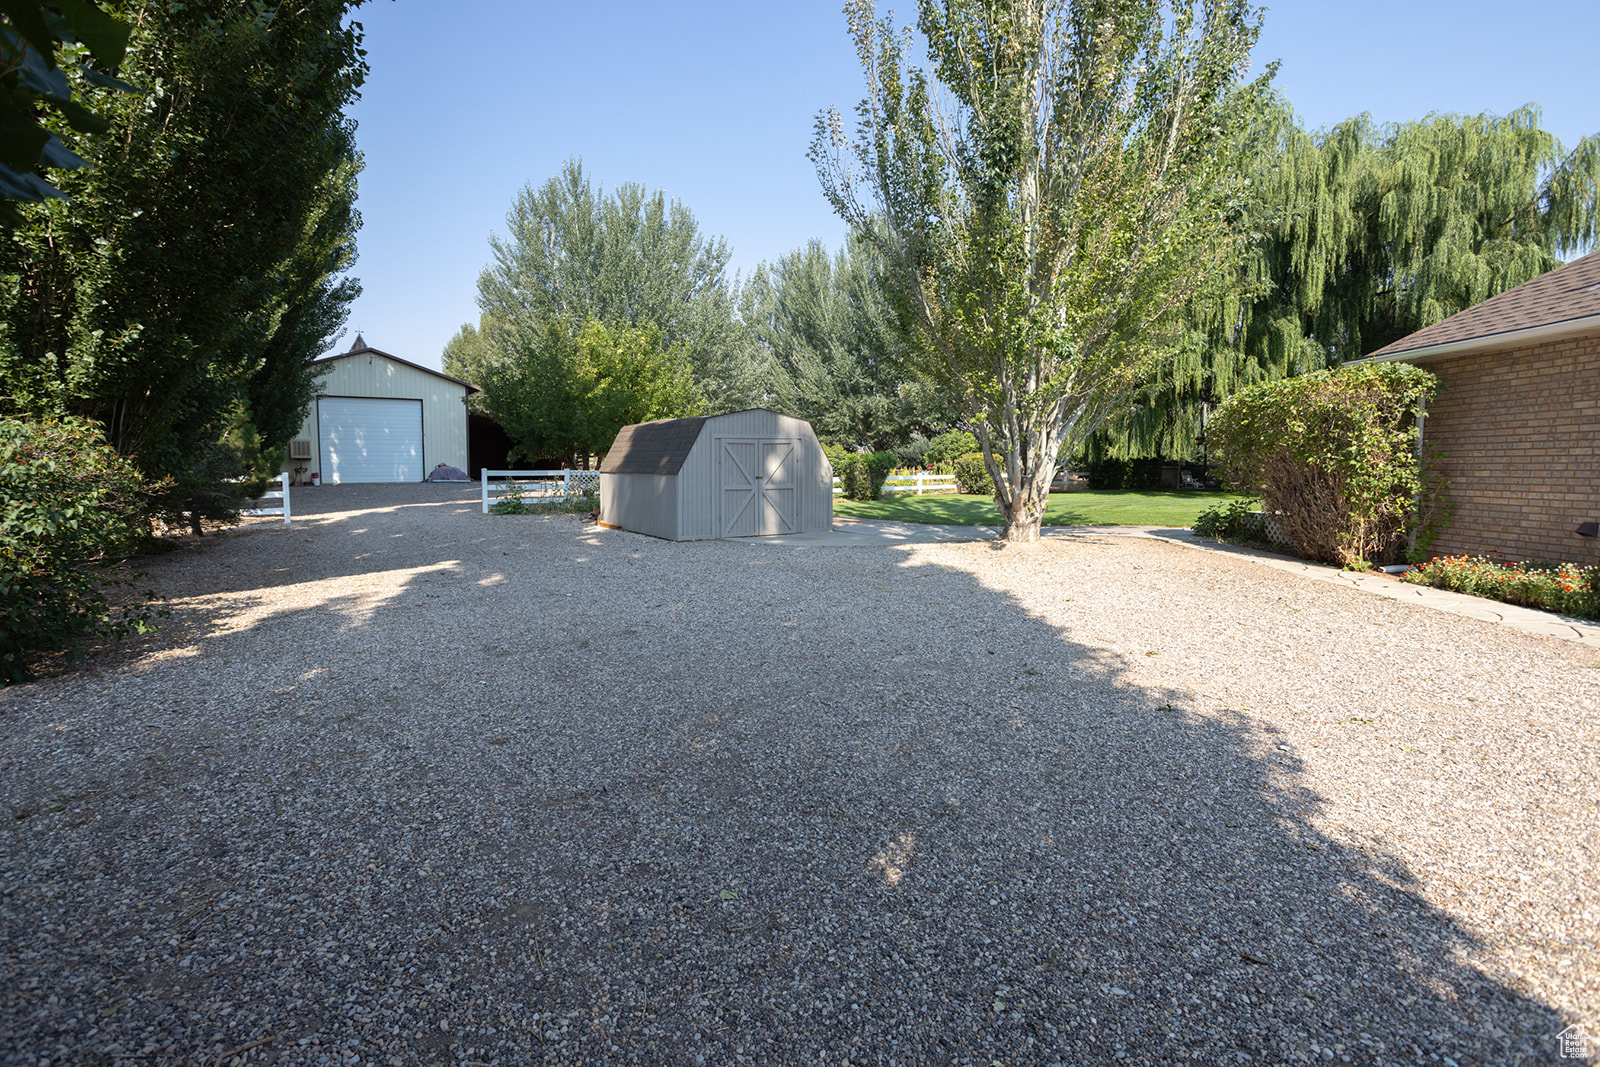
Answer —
264 503
552 484
911 483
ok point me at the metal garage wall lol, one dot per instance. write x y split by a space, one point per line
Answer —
369 373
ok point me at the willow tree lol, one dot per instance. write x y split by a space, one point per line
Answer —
1367 233
1054 195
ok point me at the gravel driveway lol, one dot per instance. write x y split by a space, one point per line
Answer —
407 783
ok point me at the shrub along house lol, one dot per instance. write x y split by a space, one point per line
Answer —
1518 417
379 418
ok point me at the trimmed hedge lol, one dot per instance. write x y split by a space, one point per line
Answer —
972 475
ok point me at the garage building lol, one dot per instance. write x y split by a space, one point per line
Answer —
747 474
379 418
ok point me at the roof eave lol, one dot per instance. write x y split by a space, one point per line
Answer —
1553 331
370 351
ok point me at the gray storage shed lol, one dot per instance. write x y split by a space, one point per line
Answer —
746 474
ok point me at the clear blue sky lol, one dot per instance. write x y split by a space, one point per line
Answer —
713 102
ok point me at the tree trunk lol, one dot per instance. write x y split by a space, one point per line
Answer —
1024 513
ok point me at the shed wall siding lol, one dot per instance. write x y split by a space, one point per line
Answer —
1520 433
444 415
699 516
643 503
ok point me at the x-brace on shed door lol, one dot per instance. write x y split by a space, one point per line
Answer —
758 495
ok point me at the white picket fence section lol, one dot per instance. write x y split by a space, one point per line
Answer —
280 494
911 483
560 483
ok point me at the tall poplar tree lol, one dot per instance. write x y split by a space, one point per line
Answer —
1054 195
197 268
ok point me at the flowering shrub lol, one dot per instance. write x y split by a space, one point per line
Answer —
1564 588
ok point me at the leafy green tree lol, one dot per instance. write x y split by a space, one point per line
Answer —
1367 233
569 394
34 40
836 356
468 356
197 265
574 254
1051 204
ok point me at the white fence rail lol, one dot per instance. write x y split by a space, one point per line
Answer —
911 483
562 483
280 494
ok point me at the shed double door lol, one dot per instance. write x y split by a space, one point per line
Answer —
757 477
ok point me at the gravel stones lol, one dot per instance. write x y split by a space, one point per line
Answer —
405 783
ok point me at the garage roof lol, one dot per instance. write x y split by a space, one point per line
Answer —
361 348
658 447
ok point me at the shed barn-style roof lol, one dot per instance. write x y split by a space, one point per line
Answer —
1561 302
361 348
658 447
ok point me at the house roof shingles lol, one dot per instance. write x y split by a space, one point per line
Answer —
1568 294
658 447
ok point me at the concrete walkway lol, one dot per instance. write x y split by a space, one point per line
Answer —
849 532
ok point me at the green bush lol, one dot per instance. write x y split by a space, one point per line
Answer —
68 501
1560 587
914 453
862 474
1333 456
949 447
1237 520
972 475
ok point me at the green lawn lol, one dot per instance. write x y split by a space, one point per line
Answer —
1084 507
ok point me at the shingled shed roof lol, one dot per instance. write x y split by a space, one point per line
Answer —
658 447
1565 300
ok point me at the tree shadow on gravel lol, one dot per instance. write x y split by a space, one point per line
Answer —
731 804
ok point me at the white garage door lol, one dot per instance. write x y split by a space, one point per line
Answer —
365 440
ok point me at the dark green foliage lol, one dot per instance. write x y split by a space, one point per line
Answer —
949 447
569 394
1364 234
1237 520
1333 456
836 359
914 453
67 502
972 475
39 46
196 267
861 474
1560 587
1113 473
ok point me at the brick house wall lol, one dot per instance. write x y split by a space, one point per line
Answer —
1520 432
